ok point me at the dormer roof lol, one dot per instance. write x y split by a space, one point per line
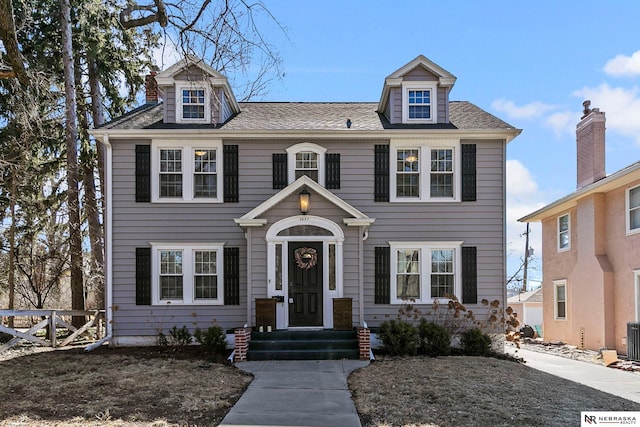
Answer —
444 77
213 77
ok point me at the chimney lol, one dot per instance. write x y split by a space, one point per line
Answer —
151 87
590 146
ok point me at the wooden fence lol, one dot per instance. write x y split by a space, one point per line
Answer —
51 321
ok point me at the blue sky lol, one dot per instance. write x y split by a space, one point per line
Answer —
529 63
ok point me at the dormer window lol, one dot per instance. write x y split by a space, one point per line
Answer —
193 105
419 102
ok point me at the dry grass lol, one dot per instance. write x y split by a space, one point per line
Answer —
471 391
149 387
117 387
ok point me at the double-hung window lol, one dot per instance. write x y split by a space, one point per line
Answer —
306 159
428 172
419 103
564 233
187 274
170 172
633 210
193 105
187 171
560 299
424 271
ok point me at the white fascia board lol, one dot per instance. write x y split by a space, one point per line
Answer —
356 222
507 134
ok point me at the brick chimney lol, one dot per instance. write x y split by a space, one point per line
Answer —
590 145
151 87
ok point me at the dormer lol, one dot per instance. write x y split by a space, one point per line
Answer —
417 93
195 93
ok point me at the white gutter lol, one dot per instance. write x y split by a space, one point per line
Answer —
108 236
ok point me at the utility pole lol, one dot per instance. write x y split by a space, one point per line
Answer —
526 259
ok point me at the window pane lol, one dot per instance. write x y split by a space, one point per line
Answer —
407 185
442 160
408 274
171 160
205 279
562 311
170 185
307 164
193 103
634 197
332 267
205 185
408 160
206 287
634 219
564 240
278 267
441 185
441 285
170 262
563 223
171 287
205 161
560 293
419 104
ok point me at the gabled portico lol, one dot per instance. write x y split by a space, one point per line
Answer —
304 266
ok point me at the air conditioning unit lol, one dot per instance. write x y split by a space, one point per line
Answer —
633 341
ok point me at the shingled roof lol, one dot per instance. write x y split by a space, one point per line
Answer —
304 116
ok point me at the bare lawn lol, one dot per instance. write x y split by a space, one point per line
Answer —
157 387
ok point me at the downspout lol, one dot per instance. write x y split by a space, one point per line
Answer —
108 249
248 236
364 235
108 236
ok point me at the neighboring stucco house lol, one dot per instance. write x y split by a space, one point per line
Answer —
215 204
528 306
591 249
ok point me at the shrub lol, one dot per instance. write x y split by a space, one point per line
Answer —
434 339
474 342
179 337
212 340
399 338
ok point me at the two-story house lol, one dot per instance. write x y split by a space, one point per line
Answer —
215 204
591 249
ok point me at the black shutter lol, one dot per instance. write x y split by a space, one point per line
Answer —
280 171
332 176
469 275
231 276
143 276
143 173
382 275
468 172
230 177
381 173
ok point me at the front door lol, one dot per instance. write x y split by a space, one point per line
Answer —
305 283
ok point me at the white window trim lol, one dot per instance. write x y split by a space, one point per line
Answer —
627 213
425 249
425 148
188 291
188 152
207 103
406 87
302 147
556 284
561 249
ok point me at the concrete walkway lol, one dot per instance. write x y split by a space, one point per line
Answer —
299 393
610 380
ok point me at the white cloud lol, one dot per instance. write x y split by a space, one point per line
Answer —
523 197
527 111
623 65
621 105
562 123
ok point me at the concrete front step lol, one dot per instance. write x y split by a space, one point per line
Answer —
303 345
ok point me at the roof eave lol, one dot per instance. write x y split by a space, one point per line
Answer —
618 179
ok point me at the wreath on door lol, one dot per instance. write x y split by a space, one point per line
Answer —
306 258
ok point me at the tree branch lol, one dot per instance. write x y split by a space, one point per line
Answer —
10 41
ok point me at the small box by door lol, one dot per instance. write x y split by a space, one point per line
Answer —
266 313
342 314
